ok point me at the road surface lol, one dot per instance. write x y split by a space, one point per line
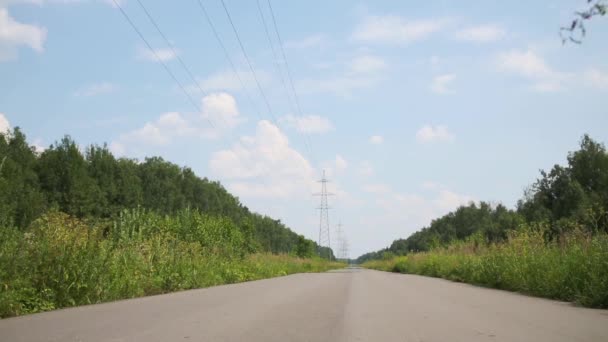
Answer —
345 305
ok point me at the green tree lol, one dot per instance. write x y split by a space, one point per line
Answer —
326 253
21 199
577 192
305 248
65 178
98 185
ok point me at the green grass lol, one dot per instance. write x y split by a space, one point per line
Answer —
575 268
61 261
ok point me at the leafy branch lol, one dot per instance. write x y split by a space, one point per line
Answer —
576 31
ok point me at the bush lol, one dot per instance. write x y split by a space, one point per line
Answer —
573 268
62 261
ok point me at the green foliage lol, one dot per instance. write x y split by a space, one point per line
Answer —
65 179
576 30
573 269
555 245
574 194
62 261
305 248
99 186
565 198
492 223
387 255
80 229
21 200
326 253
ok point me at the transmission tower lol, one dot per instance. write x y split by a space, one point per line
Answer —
342 243
344 249
324 231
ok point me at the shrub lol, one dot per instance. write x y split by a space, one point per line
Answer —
572 268
62 261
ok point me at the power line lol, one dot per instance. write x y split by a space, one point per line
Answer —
274 53
324 229
232 65
238 38
235 71
174 51
293 88
297 110
183 89
324 212
227 55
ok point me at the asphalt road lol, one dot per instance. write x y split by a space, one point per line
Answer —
347 305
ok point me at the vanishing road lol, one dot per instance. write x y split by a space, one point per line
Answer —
347 305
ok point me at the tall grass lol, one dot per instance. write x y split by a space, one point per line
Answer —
573 268
62 261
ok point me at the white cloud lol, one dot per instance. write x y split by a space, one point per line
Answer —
395 29
341 163
524 63
430 185
596 78
160 132
376 139
449 200
481 34
264 165
38 145
219 108
367 64
360 73
548 86
530 65
334 167
14 34
441 83
164 54
321 65
410 211
429 133
223 80
365 169
307 124
95 89
5 126
377 188
118 149
312 41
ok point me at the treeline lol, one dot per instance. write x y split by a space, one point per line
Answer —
565 199
94 184
85 227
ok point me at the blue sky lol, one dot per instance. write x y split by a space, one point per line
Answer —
412 108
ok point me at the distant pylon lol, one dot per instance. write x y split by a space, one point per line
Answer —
342 248
324 231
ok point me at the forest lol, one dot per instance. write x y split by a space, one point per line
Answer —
81 227
564 199
553 244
